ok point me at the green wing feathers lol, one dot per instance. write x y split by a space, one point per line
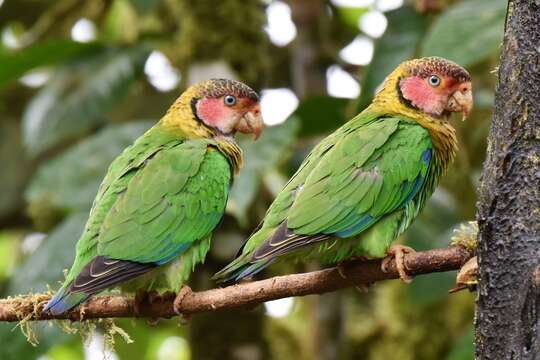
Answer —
360 180
161 198
177 199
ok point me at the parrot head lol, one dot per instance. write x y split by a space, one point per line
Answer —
217 107
434 86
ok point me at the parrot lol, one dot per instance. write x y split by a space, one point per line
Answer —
362 186
154 213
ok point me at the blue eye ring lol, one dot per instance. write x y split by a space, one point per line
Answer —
434 80
229 100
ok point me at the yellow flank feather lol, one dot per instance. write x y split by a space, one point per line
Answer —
181 120
387 101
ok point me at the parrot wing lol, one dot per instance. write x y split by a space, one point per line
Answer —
364 171
149 210
368 174
177 199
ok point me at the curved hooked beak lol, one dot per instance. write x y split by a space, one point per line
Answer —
251 122
461 100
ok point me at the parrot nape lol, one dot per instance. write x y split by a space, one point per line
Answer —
152 219
363 185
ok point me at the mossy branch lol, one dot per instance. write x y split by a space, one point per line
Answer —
354 273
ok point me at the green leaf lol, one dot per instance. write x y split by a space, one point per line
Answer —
70 181
78 97
17 62
121 23
9 241
405 30
320 115
467 32
260 157
351 15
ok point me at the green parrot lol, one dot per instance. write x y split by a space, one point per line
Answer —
152 219
363 185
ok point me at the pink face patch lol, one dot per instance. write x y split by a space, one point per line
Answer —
423 96
214 113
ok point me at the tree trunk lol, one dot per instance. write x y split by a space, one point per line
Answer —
508 306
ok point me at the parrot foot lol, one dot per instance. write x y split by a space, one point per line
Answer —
154 297
398 252
184 291
145 298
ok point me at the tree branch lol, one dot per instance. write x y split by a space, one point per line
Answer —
245 294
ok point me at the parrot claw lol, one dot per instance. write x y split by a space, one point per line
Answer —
177 305
155 297
145 298
398 252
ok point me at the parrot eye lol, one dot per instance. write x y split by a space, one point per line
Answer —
434 80
229 100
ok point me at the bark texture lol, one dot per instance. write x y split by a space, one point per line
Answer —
508 306
246 294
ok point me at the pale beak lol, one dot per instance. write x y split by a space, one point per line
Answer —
461 100
251 123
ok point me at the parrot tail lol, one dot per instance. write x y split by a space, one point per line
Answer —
63 301
99 274
237 270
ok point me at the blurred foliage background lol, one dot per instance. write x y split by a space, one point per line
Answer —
80 80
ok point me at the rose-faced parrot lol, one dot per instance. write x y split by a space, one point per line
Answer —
362 186
152 219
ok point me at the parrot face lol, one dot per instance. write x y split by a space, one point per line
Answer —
437 87
227 106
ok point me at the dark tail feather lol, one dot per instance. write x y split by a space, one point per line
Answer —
63 301
235 272
253 269
99 274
